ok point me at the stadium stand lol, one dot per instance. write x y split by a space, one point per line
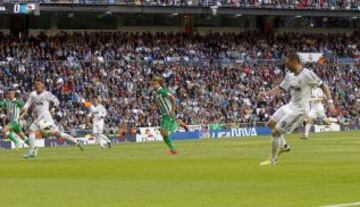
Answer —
215 77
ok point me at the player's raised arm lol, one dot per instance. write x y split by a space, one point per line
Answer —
50 97
277 90
26 107
273 92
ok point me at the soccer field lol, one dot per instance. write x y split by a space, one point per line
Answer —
211 173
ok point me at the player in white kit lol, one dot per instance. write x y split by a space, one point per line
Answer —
40 100
317 110
299 82
98 113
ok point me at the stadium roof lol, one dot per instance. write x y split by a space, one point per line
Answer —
197 10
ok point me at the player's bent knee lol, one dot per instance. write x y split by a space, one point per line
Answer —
271 124
276 132
163 132
310 120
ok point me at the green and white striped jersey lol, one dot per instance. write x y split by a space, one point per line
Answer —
163 101
12 108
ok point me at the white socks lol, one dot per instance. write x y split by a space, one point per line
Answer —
275 147
104 137
276 144
307 129
98 140
32 141
68 137
282 141
100 137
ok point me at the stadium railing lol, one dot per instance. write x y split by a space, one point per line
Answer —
291 4
205 128
213 126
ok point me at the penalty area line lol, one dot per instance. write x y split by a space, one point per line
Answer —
343 205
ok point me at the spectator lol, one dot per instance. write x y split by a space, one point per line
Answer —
215 77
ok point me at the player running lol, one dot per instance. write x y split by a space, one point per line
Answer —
299 82
166 103
40 100
317 110
98 112
13 106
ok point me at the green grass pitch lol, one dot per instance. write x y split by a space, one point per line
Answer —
211 173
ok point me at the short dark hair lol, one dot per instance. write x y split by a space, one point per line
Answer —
38 79
293 57
11 88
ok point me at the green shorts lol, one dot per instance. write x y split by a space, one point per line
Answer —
168 123
14 126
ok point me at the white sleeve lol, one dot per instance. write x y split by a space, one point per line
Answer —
313 80
104 112
50 97
29 102
285 84
92 108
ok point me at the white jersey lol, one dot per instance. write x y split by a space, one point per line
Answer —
316 107
300 87
99 113
41 103
317 96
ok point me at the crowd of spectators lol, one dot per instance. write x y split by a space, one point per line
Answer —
215 77
279 4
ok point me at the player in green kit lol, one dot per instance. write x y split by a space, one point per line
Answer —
13 106
166 104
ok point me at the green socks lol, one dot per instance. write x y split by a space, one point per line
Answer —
169 143
27 141
12 137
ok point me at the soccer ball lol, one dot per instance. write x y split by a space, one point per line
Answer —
45 126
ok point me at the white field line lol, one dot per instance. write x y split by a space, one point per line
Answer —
343 205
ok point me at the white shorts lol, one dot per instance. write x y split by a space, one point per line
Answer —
98 128
36 127
317 111
287 118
